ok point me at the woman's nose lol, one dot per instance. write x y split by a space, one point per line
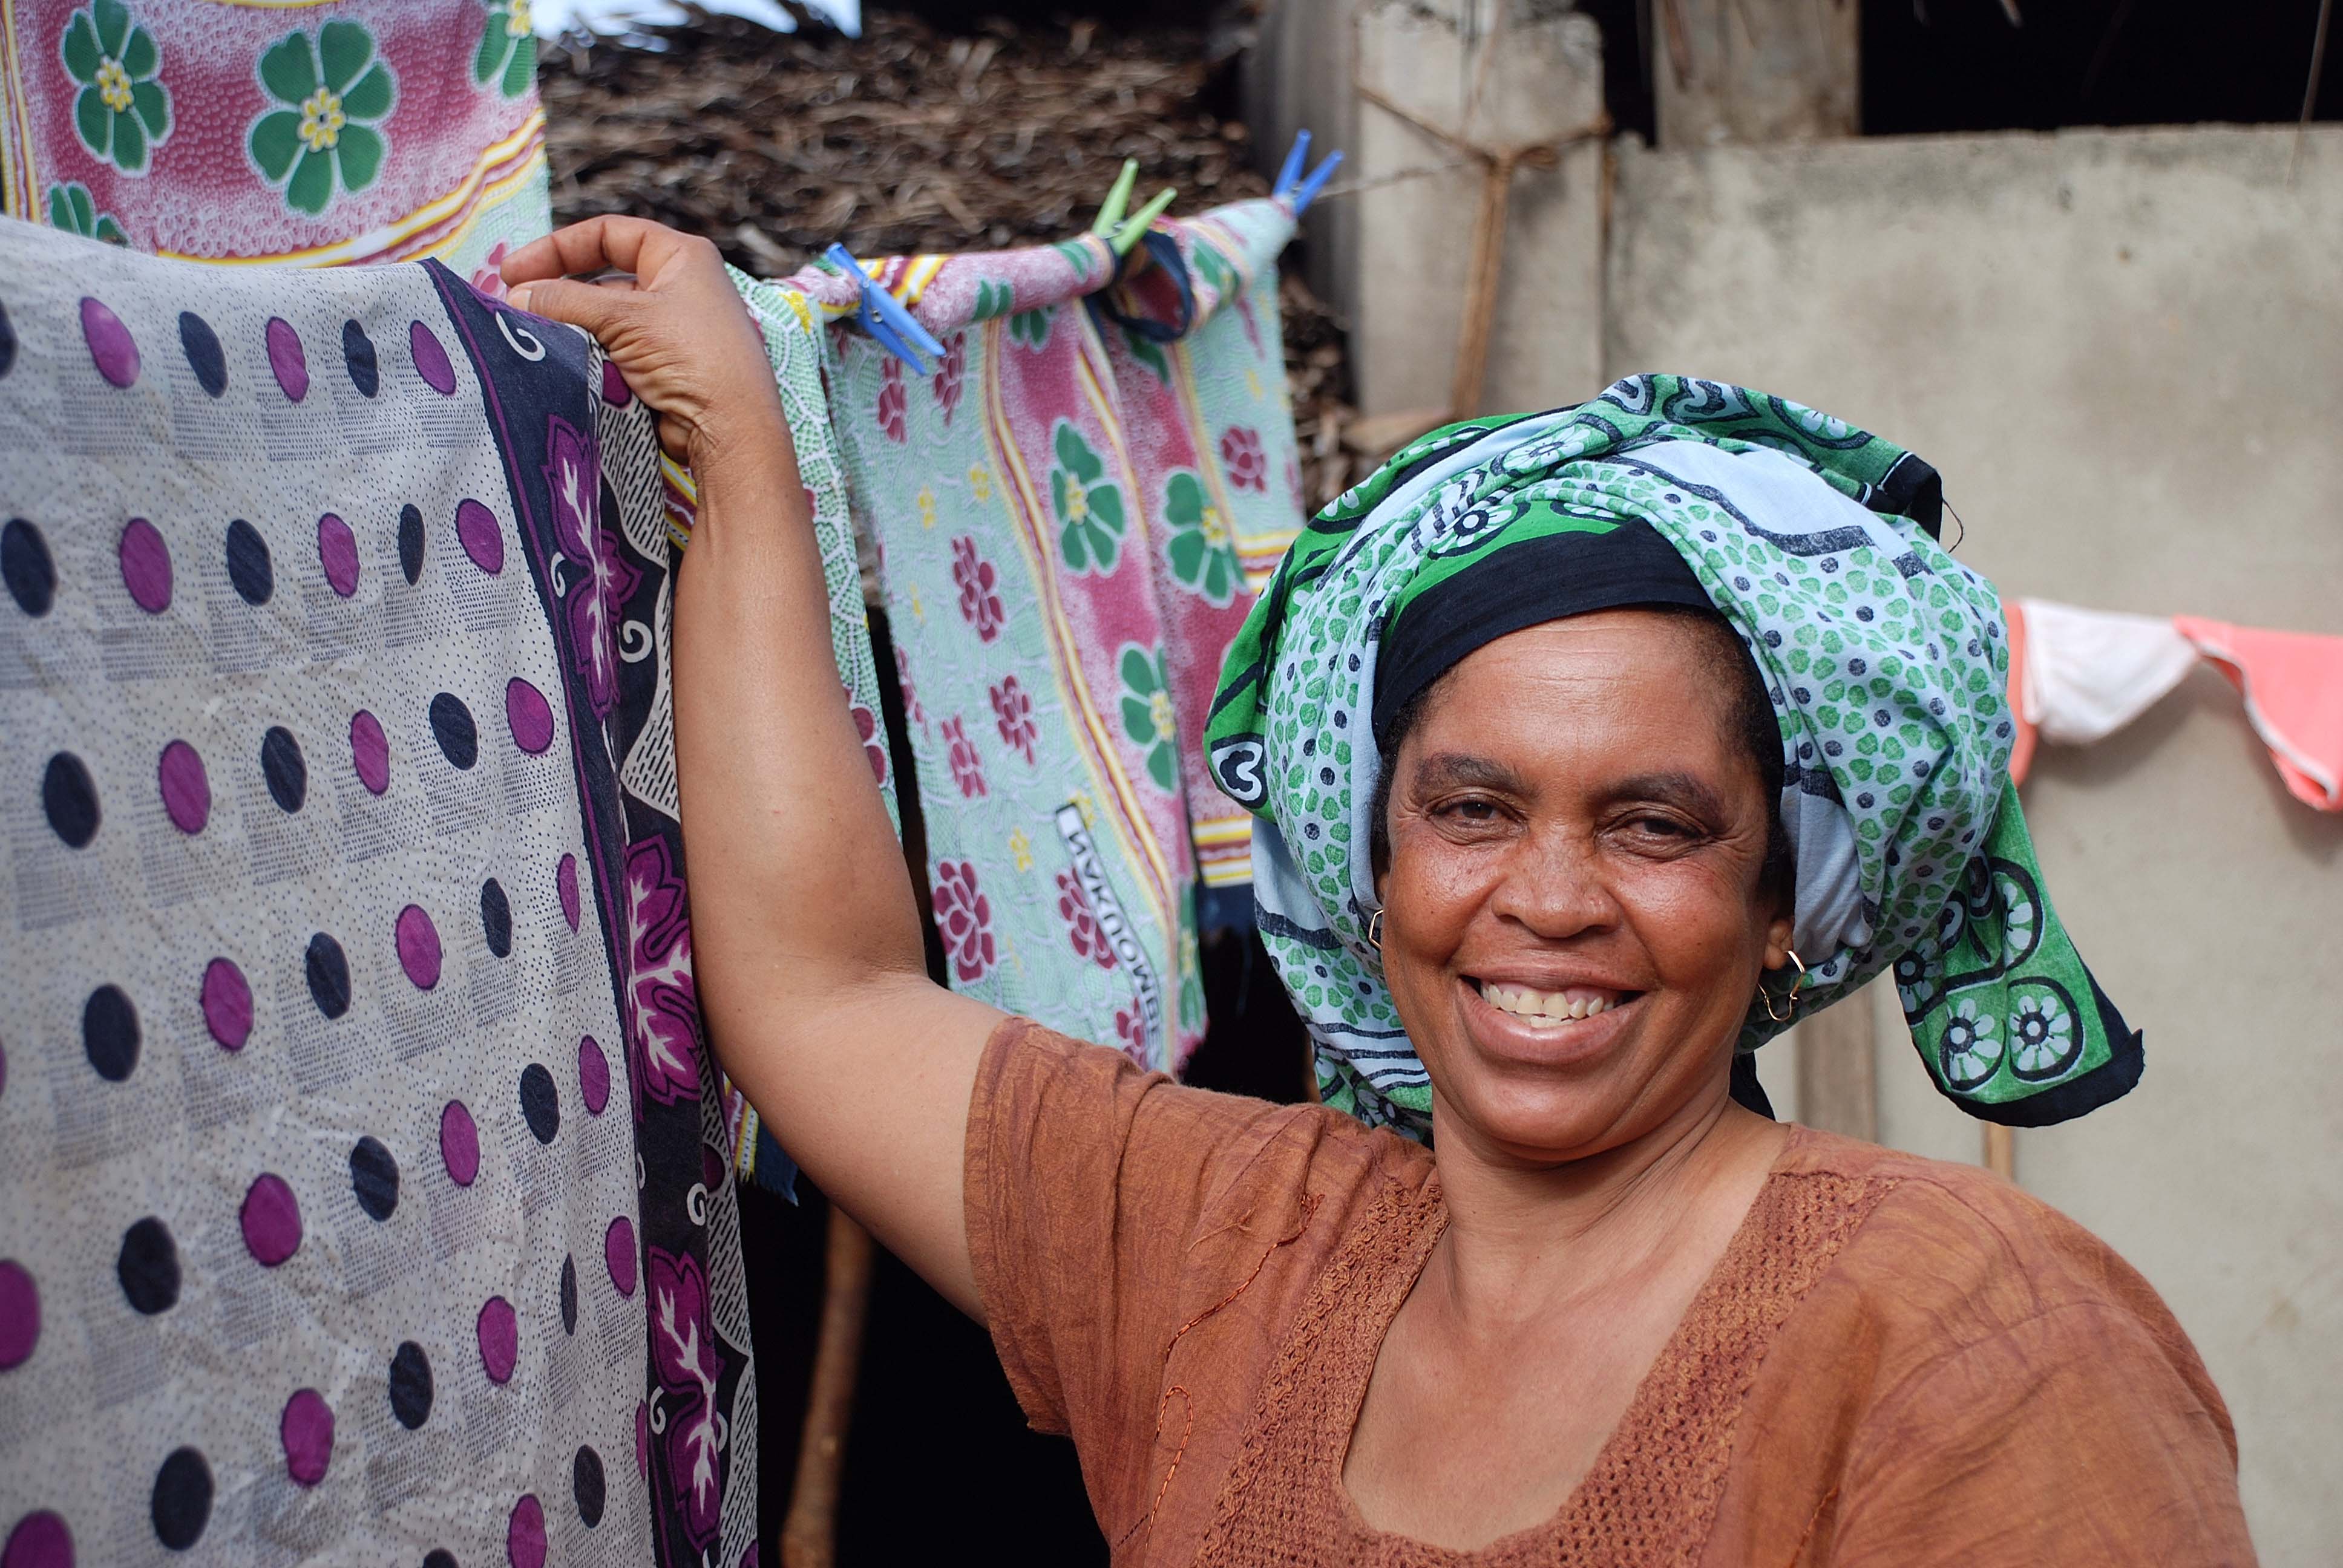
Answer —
1553 886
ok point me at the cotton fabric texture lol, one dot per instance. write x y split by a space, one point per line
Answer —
1885 662
1895 1361
2086 673
1057 511
2076 676
363 131
362 1179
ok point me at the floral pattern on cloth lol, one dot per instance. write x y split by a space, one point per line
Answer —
1210 435
363 1179
1026 551
364 131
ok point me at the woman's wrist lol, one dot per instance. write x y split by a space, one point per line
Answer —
743 457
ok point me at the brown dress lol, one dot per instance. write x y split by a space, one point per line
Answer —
1895 1361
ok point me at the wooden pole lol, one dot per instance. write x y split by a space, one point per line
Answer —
1838 1054
1481 289
2001 1151
810 1533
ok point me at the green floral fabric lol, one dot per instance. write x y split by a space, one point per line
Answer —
331 93
72 209
1088 505
121 113
506 58
1885 661
1147 716
308 133
1202 550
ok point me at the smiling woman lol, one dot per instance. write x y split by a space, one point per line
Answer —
1575 887
1587 750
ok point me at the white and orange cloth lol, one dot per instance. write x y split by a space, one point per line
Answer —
2077 676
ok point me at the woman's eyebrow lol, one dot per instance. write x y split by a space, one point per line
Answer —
1672 788
1446 770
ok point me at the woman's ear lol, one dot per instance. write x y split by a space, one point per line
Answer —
1778 932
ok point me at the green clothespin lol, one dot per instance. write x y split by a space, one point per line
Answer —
1127 235
1110 212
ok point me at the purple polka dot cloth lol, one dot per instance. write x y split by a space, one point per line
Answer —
364 1188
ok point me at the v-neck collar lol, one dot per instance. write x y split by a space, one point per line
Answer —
1661 1469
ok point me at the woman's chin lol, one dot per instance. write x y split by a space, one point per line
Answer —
1531 1124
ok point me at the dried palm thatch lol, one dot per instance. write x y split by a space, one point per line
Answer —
773 145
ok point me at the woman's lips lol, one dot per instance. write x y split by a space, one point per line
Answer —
1554 1035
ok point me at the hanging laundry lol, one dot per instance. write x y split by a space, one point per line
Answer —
1199 374
2080 675
2077 676
363 1189
1012 548
1017 541
2021 744
2292 683
367 130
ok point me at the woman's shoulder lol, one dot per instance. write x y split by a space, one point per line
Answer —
1974 1377
1203 1152
1959 1256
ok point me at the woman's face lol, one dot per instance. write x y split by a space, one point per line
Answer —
1576 829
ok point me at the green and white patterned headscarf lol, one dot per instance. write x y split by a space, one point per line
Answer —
1885 660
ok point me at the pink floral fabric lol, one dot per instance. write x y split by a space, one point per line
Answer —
1058 515
1210 435
364 131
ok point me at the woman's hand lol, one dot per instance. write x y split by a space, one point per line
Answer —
676 328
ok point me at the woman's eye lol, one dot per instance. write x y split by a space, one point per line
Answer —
1662 826
1471 810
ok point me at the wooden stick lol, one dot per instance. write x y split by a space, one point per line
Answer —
2310 89
810 1533
2001 1151
1481 288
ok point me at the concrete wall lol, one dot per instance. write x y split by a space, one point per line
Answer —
2124 352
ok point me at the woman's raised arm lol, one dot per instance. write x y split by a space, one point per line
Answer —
805 934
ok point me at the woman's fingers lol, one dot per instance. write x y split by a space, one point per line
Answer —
674 326
632 245
587 305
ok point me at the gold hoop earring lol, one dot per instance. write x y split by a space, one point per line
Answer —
1375 930
1789 998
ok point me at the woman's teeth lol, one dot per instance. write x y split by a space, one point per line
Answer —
1547 1008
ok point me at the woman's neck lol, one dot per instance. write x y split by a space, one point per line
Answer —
1524 1240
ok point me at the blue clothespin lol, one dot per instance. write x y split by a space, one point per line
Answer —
1290 182
1291 170
1316 183
890 325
